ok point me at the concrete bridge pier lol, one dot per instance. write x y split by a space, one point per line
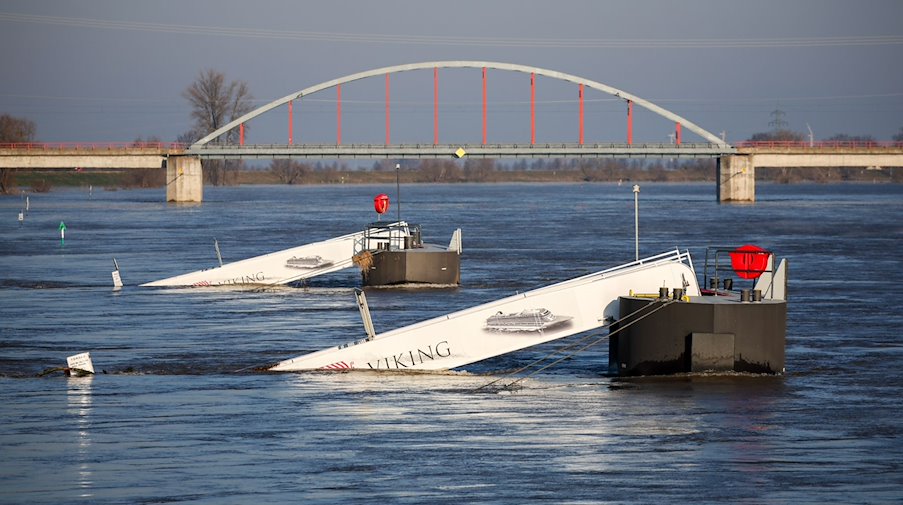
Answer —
736 179
184 179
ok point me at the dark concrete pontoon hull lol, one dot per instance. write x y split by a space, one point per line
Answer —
706 334
414 266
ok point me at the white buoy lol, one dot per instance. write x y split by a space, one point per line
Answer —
21 217
80 363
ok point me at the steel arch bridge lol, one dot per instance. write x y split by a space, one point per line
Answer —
207 147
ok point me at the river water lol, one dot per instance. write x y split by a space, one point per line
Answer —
180 413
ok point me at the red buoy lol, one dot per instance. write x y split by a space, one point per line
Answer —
381 203
749 261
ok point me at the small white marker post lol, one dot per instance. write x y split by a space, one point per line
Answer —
219 255
365 313
80 363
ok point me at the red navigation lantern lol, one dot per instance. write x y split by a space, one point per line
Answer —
381 203
749 261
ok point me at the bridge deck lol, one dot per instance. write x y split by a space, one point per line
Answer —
798 154
328 151
819 150
71 155
151 155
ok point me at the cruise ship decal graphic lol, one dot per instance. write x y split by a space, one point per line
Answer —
307 262
527 320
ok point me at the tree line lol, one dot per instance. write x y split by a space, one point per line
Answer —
13 130
785 135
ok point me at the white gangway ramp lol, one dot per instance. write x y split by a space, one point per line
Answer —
280 267
506 325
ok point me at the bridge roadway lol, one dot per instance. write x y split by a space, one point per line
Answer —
822 154
735 179
405 151
72 155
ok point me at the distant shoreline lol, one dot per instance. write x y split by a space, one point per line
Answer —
44 180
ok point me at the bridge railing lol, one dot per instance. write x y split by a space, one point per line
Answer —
821 144
90 146
543 150
686 146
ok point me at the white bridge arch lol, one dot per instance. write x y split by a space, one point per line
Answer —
512 67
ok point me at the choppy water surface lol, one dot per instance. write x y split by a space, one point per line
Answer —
181 415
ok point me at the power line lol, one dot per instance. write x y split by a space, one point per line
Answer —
371 38
470 102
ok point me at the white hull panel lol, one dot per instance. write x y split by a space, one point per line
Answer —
461 338
281 267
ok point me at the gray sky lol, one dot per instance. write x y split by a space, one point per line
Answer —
115 70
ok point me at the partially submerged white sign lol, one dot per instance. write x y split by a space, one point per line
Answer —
281 267
81 362
506 325
117 279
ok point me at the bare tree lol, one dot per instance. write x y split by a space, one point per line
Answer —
478 170
151 140
845 137
777 136
189 137
289 171
144 177
215 103
12 130
434 170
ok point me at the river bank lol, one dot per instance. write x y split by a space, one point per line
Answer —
439 172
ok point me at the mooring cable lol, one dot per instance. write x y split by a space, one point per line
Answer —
561 349
578 342
591 344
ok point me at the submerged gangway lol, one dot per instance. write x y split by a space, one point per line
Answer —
454 340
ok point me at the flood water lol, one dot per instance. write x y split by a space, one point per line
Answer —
179 411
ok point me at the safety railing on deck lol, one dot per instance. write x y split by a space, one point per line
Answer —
719 269
388 236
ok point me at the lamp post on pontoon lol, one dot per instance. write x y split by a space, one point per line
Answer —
398 192
636 219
